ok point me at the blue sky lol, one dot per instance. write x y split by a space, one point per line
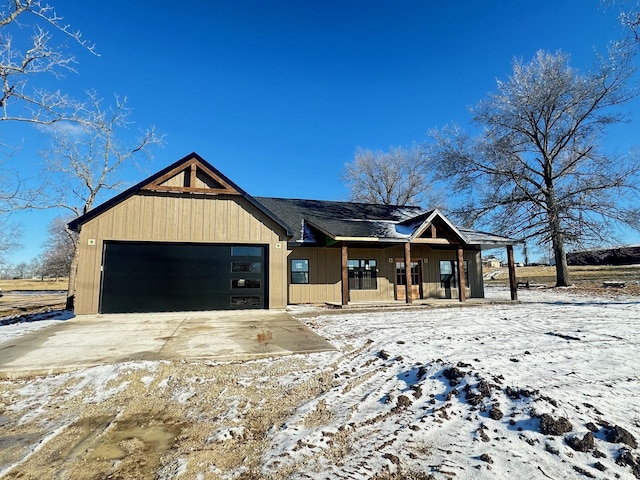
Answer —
279 94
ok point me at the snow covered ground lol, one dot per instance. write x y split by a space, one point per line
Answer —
548 388
560 353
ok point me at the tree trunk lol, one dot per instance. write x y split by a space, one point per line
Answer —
557 240
562 269
73 273
555 228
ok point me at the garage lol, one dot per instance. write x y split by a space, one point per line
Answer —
165 277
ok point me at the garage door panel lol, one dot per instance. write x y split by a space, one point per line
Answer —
153 277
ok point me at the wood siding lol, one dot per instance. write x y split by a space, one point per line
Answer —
324 273
179 218
324 276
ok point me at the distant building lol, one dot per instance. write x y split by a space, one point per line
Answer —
491 262
626 255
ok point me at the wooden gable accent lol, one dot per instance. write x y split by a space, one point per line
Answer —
191 177
436 231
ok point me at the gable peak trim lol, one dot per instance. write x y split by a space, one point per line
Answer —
428 222
192 176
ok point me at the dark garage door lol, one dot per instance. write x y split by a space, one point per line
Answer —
167 277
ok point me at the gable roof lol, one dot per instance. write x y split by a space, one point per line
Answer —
310 222
191 174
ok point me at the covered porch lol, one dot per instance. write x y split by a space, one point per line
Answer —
409 294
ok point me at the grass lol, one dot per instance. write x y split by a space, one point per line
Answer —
33 285
578 274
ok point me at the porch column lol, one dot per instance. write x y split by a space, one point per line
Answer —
345 274
407 271
462 287
513 281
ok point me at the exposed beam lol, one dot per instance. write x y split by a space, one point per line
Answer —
210 191
357 239
407 271
432 241
462 287
192 177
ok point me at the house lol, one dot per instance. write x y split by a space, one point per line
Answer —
188 238
491 262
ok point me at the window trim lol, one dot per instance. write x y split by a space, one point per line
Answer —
294 280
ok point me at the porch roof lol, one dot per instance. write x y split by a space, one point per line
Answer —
313 220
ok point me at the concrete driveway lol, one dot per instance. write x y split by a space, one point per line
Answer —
90 340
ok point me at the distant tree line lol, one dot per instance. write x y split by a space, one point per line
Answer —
54 262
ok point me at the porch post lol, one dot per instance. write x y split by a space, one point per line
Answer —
407 271
513 282
345 274
462 292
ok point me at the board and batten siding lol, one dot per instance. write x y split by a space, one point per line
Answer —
325 273
475 288
179 218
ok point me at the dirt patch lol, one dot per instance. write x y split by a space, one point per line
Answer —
14 306
554 426
140 421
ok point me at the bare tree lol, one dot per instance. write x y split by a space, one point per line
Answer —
538 170
59 249
21 270
33 47
24 58
85 159
396 177
10 234
36 265
629 17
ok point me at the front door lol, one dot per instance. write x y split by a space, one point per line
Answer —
401 280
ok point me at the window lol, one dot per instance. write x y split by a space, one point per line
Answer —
246 267
246 251
245 283
299 270
246 301
363 274
449 274
401 278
